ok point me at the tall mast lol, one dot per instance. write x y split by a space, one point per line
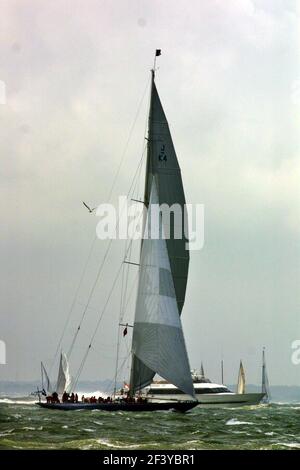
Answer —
157 343
134 361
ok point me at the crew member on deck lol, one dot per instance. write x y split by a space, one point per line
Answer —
55 398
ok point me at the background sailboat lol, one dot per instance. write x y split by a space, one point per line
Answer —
158 345
208 393
241 385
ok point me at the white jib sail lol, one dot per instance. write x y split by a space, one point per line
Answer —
64 379
158 340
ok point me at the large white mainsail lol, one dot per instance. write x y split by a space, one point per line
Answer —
158 343
158 340
241 386
64 379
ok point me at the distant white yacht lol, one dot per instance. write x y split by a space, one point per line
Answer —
206 392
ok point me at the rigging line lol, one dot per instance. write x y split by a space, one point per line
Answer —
97 326
119 369
132 187
125 275
123 307
123 303
128 140
102 265
130 294
42 373
126 301
95 238
124 280
127 255
139 176
73 304
99 320
99 350
118 336
123 300
124 362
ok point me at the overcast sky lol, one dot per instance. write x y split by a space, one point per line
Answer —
229 80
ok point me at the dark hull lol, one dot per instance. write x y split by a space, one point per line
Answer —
138 407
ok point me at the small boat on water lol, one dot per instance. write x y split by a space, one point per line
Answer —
158 345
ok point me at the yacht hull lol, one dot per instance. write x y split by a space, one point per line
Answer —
181 406
218 399
234 399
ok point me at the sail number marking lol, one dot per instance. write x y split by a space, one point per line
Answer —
162 157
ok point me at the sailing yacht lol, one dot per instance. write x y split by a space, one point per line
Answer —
158 345
207 393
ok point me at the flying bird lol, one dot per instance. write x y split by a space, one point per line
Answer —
88 208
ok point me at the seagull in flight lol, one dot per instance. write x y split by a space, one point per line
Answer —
88 208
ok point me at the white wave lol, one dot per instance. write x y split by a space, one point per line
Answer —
235 422
119 445
285 403
17 401
6 433
293 445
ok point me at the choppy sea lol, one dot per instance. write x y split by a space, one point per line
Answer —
23 425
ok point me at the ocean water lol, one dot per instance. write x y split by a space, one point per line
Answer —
23 425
